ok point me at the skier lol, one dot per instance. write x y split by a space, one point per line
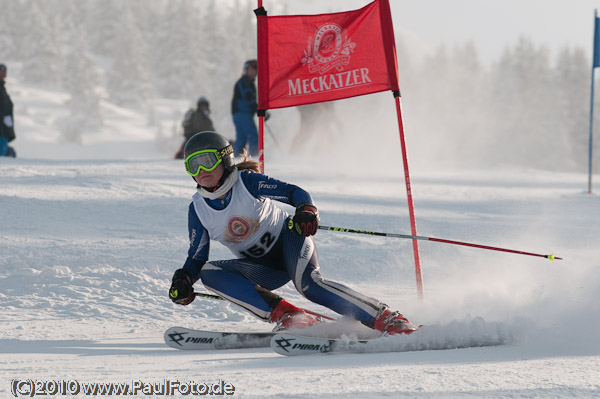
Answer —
195 120
234 206
243 108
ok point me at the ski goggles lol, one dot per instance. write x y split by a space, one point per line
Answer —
206 160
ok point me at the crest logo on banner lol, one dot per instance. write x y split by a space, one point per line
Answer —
329 48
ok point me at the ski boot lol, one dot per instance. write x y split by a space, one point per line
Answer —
391 323
289 316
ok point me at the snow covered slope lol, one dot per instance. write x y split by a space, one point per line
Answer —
88 248
90 235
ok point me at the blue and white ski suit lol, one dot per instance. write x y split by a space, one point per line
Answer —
269 254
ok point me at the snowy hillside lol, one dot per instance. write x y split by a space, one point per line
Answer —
90 234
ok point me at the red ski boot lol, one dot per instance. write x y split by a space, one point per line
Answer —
391 323
288 316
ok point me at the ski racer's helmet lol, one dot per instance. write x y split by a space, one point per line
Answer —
205 151
250 63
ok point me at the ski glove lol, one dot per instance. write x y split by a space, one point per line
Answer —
181 290
306 220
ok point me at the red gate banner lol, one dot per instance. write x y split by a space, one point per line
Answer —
305 59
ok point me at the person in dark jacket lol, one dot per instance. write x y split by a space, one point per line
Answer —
243 108
7 129
195 120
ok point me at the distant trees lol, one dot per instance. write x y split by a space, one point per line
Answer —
571 93
39 49
80 79
529 107
133 51
128 80
523 97
524 109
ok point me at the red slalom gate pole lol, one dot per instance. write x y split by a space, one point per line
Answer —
414 237
261 143
261 124
411 209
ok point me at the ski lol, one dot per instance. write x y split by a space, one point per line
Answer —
190 339
294 345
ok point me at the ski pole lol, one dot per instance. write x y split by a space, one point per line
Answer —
273 136
374 233
212 296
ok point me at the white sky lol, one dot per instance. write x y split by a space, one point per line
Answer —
490 24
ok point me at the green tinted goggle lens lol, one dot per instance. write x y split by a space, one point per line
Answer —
206 160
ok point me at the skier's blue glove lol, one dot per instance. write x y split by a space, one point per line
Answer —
181 291
306 220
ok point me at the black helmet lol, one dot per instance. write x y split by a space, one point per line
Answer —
211 141
202 101
250 63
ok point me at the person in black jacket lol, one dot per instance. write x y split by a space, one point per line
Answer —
7 129
195 120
